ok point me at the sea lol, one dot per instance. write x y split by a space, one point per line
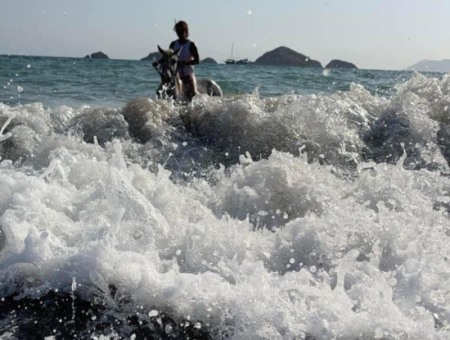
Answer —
305 204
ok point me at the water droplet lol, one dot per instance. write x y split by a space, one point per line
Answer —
153 313
313 269
19 89
28 66
178 252
292 261
326 72
249 12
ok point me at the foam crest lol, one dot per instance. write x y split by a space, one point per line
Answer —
252 218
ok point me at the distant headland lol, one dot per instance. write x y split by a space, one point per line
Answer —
431 66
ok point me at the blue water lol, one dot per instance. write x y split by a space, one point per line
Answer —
302 205
76 82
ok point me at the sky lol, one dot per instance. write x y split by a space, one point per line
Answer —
373 34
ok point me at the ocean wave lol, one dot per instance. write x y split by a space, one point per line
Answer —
286 217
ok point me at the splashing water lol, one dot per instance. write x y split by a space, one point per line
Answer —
292 217
4 137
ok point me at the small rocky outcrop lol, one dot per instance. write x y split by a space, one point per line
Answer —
97 55
153 56
283 56
341 64
208 61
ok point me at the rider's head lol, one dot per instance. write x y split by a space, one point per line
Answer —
182 29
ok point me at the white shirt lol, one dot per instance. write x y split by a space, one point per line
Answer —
184 55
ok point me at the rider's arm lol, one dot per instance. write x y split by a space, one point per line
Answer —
194 51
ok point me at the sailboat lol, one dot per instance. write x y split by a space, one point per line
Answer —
232 61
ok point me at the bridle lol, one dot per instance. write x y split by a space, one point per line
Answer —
167 69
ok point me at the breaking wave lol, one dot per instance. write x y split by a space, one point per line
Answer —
291 217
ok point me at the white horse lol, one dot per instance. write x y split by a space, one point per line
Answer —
171 85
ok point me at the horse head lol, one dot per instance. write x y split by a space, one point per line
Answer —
167 66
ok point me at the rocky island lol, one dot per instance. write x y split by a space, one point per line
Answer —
283 56
208 61
97 55
341 64
153 56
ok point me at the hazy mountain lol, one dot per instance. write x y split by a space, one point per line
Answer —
431 66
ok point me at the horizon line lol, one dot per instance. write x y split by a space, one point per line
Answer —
251 62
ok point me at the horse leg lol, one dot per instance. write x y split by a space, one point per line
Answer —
159 91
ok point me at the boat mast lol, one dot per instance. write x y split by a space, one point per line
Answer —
232 48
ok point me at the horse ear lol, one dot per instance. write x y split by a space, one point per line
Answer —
177 52
161 50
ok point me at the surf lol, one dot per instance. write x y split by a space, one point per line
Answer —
281 217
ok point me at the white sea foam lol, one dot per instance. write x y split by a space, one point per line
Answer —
279 244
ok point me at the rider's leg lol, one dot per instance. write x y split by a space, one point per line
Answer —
190 86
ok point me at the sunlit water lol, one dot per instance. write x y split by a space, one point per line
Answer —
314 207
